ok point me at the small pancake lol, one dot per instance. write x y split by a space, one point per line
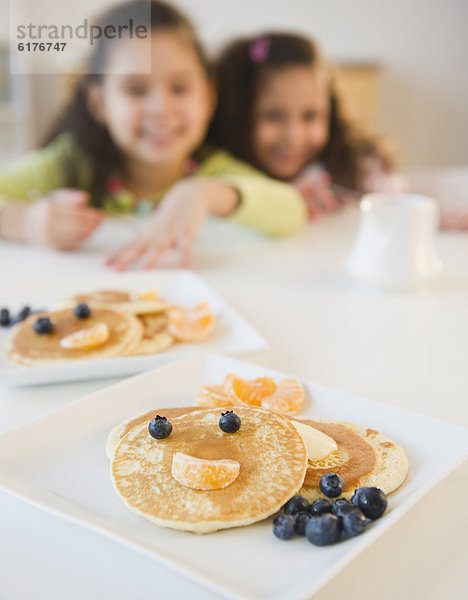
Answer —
156 338
102 297
27 348
158 343
123 428
364 457
153 323
271 454
120 300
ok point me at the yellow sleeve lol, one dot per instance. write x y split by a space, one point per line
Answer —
39 171
271 206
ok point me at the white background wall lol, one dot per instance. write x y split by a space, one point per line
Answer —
421 46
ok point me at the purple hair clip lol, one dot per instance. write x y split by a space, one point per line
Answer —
259 49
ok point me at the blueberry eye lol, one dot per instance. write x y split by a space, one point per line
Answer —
43 326
229 422
159 427
82 311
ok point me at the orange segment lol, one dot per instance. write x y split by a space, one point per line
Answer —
212 396
86 338
191 324
202 474
148 295
248 391
287 399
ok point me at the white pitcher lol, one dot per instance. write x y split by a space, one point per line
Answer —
394 247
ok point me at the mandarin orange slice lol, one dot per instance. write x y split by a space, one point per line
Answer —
248 391
191 324
203 474
212 396
148 295
287 399
86 338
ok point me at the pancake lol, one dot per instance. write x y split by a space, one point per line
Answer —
123 428
153 323
271 454
144 307
156 338
102 297
364 457
158 343
120 300
27 348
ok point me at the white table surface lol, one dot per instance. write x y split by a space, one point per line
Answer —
405 349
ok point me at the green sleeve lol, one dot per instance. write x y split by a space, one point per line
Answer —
40 171
274 207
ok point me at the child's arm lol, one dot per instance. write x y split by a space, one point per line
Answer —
34 208
61 220
269 205
175 223
223 187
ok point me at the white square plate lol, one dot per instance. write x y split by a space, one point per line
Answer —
233 334
59 464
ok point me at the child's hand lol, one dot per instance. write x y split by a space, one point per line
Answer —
314 185
175 223
61 220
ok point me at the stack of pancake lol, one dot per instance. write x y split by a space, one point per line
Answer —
274 458
136 324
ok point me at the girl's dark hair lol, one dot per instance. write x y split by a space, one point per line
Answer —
240 71
91 137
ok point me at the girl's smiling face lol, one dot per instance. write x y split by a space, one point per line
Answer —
155 119
291 120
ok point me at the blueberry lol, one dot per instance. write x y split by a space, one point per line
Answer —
371 500
300 521
159 427
320 506
82 311
24 313
5 319
355 496
323 530
229 422
341 506
43 326
283 527
331 485
353 522
296 504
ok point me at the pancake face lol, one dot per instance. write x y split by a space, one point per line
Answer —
123 428
364 457
102 297
271 454
120 300
26 347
